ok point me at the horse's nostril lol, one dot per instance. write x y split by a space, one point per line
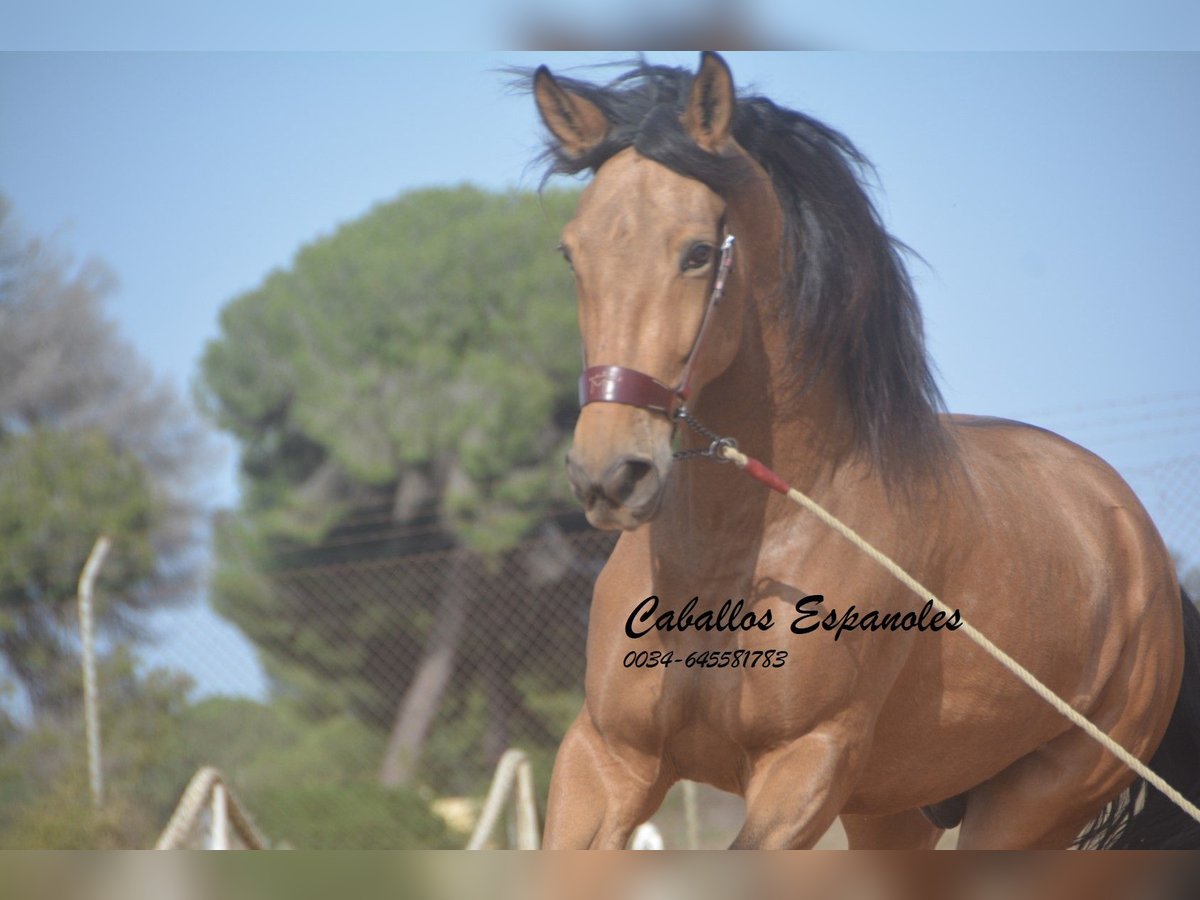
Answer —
623 477
584 489
630 481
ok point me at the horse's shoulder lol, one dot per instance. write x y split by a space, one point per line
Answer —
965 422
1014 439
1035 461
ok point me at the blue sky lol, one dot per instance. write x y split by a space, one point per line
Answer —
1053 197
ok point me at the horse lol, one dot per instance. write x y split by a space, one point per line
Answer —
733 275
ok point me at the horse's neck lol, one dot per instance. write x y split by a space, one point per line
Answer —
715 516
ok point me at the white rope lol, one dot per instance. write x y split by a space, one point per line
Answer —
205 784
514 777
647 837
1025 676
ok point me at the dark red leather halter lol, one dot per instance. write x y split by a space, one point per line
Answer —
621 384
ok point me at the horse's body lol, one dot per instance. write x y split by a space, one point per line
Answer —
1039 543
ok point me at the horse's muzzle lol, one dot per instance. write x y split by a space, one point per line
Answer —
624 495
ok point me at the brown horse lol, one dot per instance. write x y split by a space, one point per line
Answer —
814 361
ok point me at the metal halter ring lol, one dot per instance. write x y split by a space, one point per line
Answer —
714 449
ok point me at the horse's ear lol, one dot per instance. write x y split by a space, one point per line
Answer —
709 114
576 122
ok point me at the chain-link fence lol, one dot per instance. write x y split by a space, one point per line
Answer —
1171 491
399 669
489 654
471 655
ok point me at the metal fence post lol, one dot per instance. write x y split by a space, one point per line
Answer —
91 712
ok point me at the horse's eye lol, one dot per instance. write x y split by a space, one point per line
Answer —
698 256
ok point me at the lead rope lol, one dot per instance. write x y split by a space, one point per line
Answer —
723 449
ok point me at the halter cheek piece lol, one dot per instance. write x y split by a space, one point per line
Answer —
621 384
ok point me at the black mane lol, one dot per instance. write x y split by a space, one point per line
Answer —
850 305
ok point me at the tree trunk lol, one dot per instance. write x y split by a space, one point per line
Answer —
423 698
501 701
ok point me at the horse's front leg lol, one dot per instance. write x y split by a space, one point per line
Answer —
599 793
795 792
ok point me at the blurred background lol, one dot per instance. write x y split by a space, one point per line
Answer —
290 329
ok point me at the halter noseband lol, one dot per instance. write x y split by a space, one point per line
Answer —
621 384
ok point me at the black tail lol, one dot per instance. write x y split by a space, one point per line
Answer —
1142 818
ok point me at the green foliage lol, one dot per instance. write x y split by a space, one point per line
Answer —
420 364
456 759
90 443
83 488
308 783
355 816
63 819
435 333
275 745
44 796
60 490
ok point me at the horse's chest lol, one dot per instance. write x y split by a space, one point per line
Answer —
704 720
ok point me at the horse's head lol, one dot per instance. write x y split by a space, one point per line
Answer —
645 247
